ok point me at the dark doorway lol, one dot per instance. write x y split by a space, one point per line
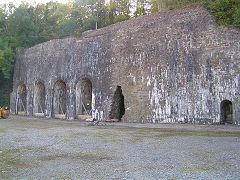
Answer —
117 107
226 112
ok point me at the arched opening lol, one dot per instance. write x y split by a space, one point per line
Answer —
117 106
39 99
226 112
21 100
84 99
59 100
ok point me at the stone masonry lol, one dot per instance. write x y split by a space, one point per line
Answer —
169 67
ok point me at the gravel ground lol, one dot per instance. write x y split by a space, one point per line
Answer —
37 148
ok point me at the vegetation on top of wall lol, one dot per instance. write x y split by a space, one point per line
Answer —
27 25
226 12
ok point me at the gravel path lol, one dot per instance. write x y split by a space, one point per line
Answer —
37 148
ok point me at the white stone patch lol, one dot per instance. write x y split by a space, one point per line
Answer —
148 81
142 79
156 95
133 78
93 102
101 116
95 114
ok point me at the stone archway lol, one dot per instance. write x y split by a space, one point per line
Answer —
84 99
226 112
117 106
59 100
21 100
39 99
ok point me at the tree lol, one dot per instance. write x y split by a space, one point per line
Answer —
236 17
7 56
6 53
141 8
22 28
225 11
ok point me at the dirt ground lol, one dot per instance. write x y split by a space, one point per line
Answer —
38 148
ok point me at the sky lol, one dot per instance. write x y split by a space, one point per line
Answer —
33 2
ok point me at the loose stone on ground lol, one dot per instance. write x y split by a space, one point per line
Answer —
38 148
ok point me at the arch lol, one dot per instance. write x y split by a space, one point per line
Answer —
59 100
83 98
21 100
39 99
226 112
117 106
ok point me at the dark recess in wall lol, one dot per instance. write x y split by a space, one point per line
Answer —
117 107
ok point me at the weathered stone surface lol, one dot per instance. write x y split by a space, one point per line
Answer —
172 67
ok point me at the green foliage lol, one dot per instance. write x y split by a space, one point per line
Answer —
236 17
22 27
6 58
5 90
67 28
120 18
225 11
4 97
90 23
162 5
141 8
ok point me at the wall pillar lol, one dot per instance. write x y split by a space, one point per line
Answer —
48 103
236 112
12 107
29 107
70 101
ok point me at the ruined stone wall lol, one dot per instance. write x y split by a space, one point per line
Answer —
174 66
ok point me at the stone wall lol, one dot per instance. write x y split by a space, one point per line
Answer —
172 67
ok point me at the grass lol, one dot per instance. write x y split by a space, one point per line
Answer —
100 135
204 154
199 168
174 132
207 134
79 155
10 158
104 135
9 161
203 168
135 135
34 123
3 130
139 134
44 124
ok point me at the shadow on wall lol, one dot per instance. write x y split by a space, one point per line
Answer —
21 100
84 97
39 99
117 106
59 100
